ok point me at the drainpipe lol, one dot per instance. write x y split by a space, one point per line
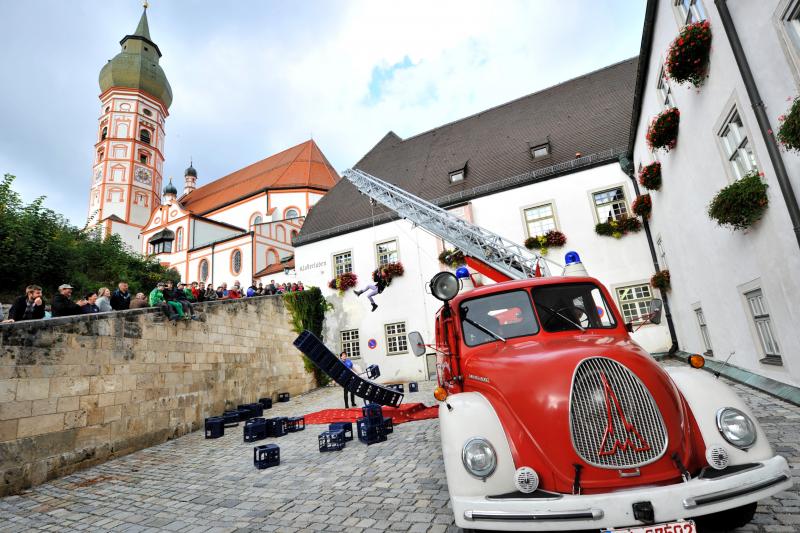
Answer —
212 263
761 117
627 167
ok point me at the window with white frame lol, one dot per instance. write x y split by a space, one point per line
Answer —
789 30
539 219
342 263
634 302
396 341
736 146
610 204
664 90
701 321
349 343
690 11
758 310
386 252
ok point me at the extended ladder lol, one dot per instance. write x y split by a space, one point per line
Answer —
503 255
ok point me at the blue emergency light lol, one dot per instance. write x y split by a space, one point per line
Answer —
462 272
571 258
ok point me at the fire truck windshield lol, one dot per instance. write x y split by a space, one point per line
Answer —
497 317
572 306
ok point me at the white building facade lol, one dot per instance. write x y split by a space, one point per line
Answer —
532 182
733 292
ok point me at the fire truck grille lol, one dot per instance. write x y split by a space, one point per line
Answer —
613 420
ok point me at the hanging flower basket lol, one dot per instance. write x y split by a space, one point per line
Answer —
663 131
618 228
551 239
742 203
388 272
688 55
660 281
452 258
343 282
650 176
643 206
789 130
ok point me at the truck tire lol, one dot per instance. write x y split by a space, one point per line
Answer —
727 520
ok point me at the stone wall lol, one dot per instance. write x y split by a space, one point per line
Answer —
76 391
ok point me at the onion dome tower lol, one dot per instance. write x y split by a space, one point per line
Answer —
170 193
189 179
129 152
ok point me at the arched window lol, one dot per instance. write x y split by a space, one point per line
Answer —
236 261
104 134
256 219
272 257
280 234
179 240
291 213
203 270
144 136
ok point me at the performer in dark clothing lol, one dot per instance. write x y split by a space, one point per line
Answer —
374 288
349 364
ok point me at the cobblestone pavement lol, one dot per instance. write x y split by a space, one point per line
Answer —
193 484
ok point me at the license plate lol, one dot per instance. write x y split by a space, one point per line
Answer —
681 526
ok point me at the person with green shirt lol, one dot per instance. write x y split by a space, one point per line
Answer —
172 310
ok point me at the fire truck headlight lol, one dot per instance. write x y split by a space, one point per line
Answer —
479 457
736 427
444 286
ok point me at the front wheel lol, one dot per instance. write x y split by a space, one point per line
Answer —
727 520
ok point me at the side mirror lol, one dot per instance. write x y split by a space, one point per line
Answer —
656 307
417 345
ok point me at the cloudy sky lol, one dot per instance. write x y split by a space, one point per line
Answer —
253 77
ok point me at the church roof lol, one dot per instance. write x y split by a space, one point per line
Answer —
301 166
136 66
589 115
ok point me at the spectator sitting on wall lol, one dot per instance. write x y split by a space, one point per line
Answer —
260 289
236 291
198 291
63 304
157 299
252 290
186 298
300 286
121 299
271 288
139 301
176 297
104 300
222 291
27 307
91 304
211 294
171 298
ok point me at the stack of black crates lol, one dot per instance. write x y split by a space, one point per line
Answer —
373 427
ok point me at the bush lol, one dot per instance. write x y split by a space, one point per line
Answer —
660 280
618 228
650 176
452 258
742 203
789 130
643 206
39 246
688 55
663 131
307 309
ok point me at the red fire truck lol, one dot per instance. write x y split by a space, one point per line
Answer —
553 418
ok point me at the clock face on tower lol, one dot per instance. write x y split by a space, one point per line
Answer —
144 176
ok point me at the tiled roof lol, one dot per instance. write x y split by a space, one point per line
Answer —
589 114
300 166
274 269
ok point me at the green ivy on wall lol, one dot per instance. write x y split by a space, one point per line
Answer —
308 309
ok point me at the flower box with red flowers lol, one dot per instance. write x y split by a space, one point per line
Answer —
650 176
643 205
742 203
343 282
688 55
663 131
660 280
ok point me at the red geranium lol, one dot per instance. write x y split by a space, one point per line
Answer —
650 176
688 55
663 131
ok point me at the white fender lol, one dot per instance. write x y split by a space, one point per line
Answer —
473 416
707 395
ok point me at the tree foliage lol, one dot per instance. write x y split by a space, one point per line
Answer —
307 309
38 246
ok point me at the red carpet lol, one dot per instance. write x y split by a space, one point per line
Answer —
405 413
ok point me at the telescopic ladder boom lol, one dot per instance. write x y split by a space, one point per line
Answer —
499 253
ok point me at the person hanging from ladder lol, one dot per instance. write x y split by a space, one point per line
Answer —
380 282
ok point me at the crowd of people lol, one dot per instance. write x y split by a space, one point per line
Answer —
173 300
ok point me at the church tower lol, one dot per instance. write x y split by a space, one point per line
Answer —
129 153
